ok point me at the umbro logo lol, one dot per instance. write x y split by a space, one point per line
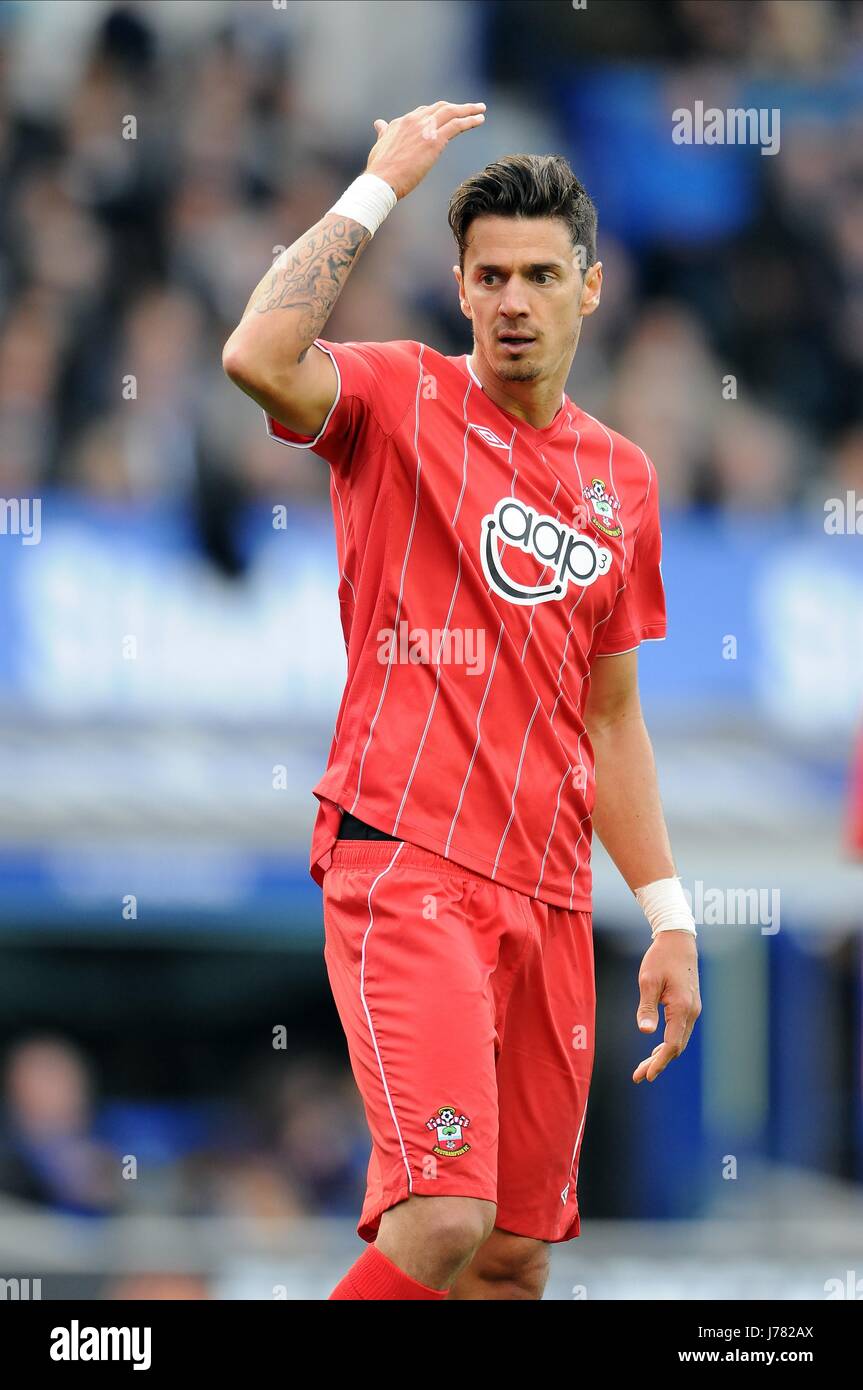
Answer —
564 1194
489 436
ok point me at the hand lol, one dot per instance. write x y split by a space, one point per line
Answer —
408 146
668 976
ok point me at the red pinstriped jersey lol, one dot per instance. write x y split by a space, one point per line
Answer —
854 806
484 564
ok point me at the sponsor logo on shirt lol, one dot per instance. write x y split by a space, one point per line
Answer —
572 556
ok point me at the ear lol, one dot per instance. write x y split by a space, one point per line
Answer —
459 279
591 289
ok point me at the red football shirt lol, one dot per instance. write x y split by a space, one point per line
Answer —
854 807
483 565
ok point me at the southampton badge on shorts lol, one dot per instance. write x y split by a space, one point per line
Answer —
449 1126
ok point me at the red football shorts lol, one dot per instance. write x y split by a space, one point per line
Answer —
469 1015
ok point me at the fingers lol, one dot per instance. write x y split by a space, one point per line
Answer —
680 1018
443 118
667 979
460 123
658 1060
650 989
448 119
466 108
407 147
690 1022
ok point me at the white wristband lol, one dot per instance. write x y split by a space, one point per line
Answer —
368 200
665 907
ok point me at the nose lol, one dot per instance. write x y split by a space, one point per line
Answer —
513 302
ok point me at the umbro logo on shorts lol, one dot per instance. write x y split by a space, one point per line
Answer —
572 557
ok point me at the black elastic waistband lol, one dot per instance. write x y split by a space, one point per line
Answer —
353 829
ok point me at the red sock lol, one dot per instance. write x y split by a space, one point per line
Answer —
374 1276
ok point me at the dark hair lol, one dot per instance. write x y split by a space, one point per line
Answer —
526 185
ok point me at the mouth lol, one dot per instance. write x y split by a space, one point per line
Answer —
515 341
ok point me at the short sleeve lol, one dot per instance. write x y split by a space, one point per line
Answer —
639 613
376 383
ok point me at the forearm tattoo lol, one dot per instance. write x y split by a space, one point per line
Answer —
312 279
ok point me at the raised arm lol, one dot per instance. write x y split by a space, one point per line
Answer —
267 355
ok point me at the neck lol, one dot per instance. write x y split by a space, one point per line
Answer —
536 402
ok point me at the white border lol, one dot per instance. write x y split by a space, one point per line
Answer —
630 649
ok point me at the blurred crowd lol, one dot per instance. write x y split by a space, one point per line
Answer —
291 1142
156 157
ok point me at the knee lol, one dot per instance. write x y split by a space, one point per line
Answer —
457 1226
435 1237
515 1264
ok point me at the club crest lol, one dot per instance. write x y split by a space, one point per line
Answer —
449 1126
604 504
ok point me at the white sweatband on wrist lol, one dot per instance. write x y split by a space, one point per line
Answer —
368 200
665 907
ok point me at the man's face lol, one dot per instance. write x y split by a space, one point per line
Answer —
522 276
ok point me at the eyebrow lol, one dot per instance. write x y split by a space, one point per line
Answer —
534 266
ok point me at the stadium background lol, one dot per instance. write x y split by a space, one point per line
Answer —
178 1115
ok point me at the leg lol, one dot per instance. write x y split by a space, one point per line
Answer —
413 953
433 1238
543 1075
506 1266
